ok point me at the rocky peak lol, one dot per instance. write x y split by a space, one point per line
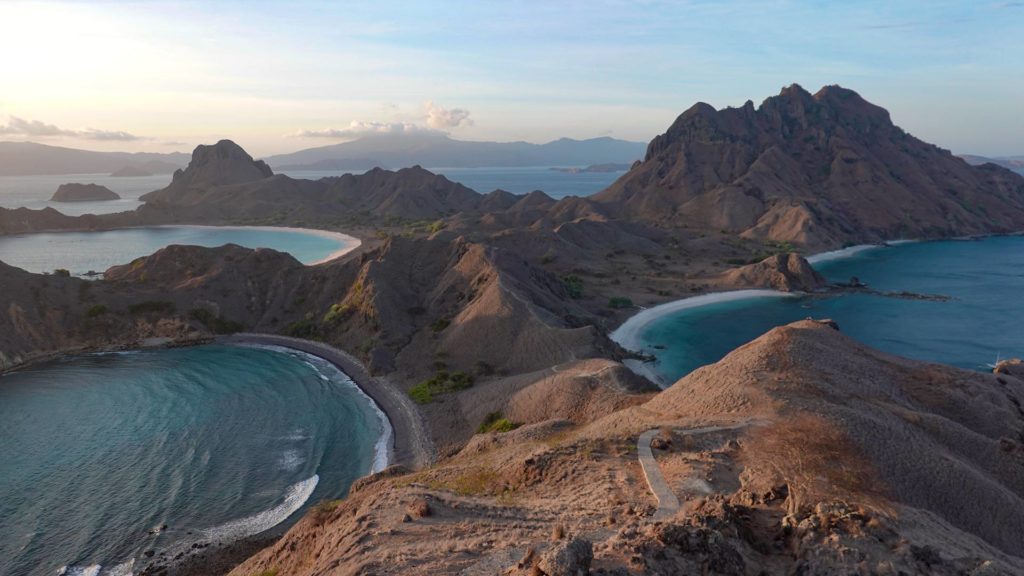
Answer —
222 163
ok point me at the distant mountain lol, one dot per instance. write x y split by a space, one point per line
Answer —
437 150
816 170
1011 162
334 164
30 159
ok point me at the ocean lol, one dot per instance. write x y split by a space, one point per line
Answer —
981 322
216 443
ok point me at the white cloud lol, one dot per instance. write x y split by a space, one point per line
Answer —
356 129
434 118
35 128
441 118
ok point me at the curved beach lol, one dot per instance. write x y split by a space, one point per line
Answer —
628 333
349 243
411 445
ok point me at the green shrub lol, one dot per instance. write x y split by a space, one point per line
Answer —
336 313
496 422
574 286
440 324
619 302
62 272
442 382
216 324
304 328
97 310
421 393
154 306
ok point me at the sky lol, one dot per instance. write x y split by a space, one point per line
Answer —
278 77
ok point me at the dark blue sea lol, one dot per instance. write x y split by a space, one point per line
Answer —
98 453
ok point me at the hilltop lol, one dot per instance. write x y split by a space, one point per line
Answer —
816 170
781 461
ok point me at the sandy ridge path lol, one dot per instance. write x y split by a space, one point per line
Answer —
412 446
668 503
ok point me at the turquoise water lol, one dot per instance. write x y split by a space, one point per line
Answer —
81 252
216 442
985 318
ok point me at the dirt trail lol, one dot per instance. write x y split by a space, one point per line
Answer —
668 502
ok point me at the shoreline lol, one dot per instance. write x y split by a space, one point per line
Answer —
349 243
627 334
410 443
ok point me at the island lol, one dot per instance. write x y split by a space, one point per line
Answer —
83 193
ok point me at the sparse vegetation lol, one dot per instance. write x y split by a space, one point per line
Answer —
304 328
96 311
152 306
574 286
440 324
216 324
619 302
336 313
496 422
322 511
442 382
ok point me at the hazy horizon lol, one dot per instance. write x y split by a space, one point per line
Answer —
166 76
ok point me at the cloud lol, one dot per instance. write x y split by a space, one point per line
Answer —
440 118
433 119
357 129
35 128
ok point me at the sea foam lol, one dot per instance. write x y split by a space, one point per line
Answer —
328 372
294 497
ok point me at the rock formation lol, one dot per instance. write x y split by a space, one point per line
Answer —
786 272
83 193
221 164
817 170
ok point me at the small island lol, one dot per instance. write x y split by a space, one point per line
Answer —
83 193
596 168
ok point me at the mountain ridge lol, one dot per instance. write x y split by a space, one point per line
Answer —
440 150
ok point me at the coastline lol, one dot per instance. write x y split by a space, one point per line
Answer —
349 243
411 445
628 333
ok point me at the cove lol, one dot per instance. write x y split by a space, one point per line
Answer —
979 324
215 442
82 252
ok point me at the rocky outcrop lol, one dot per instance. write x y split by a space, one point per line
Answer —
221 164
83 193
786 272
570 558
816 170
1012 367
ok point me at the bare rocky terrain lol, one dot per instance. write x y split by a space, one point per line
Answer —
830 458
492 311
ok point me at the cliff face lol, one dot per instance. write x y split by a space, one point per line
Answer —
817 170
800 452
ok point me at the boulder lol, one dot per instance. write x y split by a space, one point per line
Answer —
570 558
